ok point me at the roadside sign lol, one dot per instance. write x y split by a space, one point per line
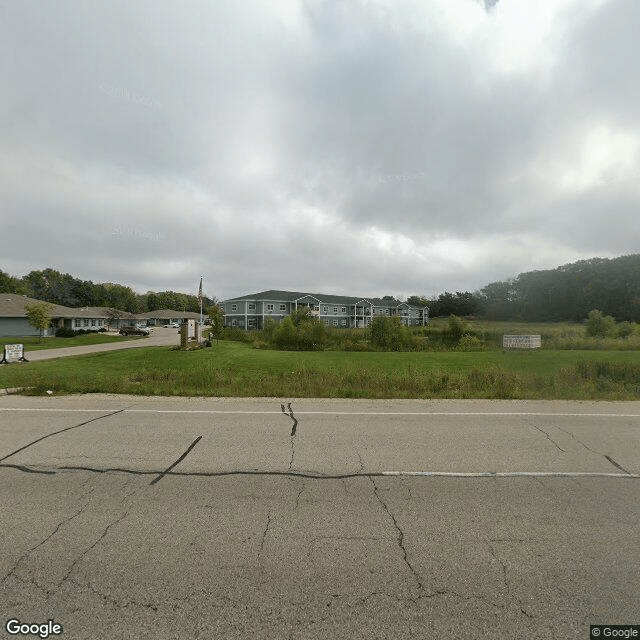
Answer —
13 353
521 342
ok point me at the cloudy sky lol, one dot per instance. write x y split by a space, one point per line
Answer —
363 147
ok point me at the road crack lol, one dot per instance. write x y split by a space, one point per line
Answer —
177 462
264 533
531 424
27 553
400 533
615 464
49 435
293 431
95 544
505 578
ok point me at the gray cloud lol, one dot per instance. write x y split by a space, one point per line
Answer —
355 147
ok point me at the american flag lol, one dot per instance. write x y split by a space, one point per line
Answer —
200 290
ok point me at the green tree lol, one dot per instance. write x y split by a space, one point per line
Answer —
39 315
599 325
388 333
10 284
216 316
457 327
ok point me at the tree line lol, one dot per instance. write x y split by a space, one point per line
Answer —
567 293
62 288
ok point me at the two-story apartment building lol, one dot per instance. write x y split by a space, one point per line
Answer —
251 311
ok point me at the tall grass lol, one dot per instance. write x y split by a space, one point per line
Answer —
234 369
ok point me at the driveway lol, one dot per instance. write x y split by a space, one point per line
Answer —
160 337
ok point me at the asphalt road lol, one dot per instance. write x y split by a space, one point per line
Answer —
128 517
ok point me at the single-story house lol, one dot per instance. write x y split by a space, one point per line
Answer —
13 317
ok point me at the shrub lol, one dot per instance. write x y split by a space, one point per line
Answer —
457 328
599 325
63 332
299 332
388 333
469 342
236 334
625 329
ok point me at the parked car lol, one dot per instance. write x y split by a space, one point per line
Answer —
131 330
172 325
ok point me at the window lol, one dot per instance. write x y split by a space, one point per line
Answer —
86 323
270 308
234 323
344 310
335 309
251 322
343 323
316 308
93 323
283 307
325 309
234 307
326 322
335 323
252 306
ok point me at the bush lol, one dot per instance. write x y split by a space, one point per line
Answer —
236 334
625 329
469 342
388 333
63 332
599 325
457 328
299 332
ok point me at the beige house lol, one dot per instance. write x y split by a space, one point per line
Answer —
13 317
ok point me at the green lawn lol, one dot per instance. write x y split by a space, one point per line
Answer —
235 369
33 343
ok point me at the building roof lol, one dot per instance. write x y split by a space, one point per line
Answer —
12 306
292 296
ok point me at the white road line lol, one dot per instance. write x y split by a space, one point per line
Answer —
511 474
337 413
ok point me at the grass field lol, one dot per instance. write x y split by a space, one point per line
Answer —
33 343
235 369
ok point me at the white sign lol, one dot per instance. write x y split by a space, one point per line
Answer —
13 353
521 342
191 329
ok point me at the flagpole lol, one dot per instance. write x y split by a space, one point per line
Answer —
200 295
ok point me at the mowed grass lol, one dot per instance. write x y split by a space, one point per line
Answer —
33 343
235 369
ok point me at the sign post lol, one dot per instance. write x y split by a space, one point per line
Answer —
13 353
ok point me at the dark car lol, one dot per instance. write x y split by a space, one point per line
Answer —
133 331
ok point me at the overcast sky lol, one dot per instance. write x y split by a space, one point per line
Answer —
339 146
